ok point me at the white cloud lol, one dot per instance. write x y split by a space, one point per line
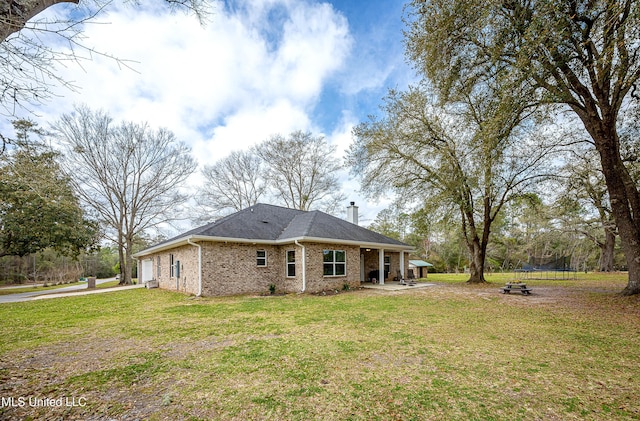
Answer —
257 68
219 87
249 126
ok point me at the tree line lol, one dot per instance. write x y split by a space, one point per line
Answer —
531 228
90 179
123 180
505 71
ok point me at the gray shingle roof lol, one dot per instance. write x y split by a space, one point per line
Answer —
258 222
274 223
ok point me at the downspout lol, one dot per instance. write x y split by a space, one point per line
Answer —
199 265
304 266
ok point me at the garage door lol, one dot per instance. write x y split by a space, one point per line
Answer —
147 271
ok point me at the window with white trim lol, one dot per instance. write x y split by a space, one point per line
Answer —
291 263
158 267
172 267
261 258
334 262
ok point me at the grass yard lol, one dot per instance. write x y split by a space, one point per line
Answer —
447 352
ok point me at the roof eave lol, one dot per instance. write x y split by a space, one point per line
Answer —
361 244
196 238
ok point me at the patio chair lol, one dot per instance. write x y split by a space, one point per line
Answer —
411 277
373 276
401 278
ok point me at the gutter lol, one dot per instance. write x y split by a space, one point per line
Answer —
199 265
304 266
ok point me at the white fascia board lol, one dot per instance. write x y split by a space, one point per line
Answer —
197 238
161 247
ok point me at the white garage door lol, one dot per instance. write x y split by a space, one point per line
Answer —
147 271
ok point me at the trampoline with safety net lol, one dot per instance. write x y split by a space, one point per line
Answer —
548 268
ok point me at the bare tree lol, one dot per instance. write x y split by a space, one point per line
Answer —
128 174
28 55
301 170
14 14
233 183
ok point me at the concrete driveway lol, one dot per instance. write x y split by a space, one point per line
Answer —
60 292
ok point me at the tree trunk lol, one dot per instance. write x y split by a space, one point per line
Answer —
477 248
607 251
476 266
126 271
122 262
623 197
128 263
15 13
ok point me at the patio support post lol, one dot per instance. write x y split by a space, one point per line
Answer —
401 266
381 266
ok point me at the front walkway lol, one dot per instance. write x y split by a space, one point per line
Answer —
41 295
395 286
88 292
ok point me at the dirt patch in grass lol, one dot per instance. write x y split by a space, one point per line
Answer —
53 373
564 294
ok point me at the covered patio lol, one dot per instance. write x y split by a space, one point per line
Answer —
391 263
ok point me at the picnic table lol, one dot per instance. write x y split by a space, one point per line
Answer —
515 286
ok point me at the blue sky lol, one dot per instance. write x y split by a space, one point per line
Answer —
256 68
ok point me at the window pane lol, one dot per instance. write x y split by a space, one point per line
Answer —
340 268
291 256
291 269
340 256
261 257
328 255
328 269
387 259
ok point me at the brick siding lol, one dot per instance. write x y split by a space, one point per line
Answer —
231 268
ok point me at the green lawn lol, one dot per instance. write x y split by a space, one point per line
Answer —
448 352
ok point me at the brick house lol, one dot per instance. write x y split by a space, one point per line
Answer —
264 245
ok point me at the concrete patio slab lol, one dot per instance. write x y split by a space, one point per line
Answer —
395 286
